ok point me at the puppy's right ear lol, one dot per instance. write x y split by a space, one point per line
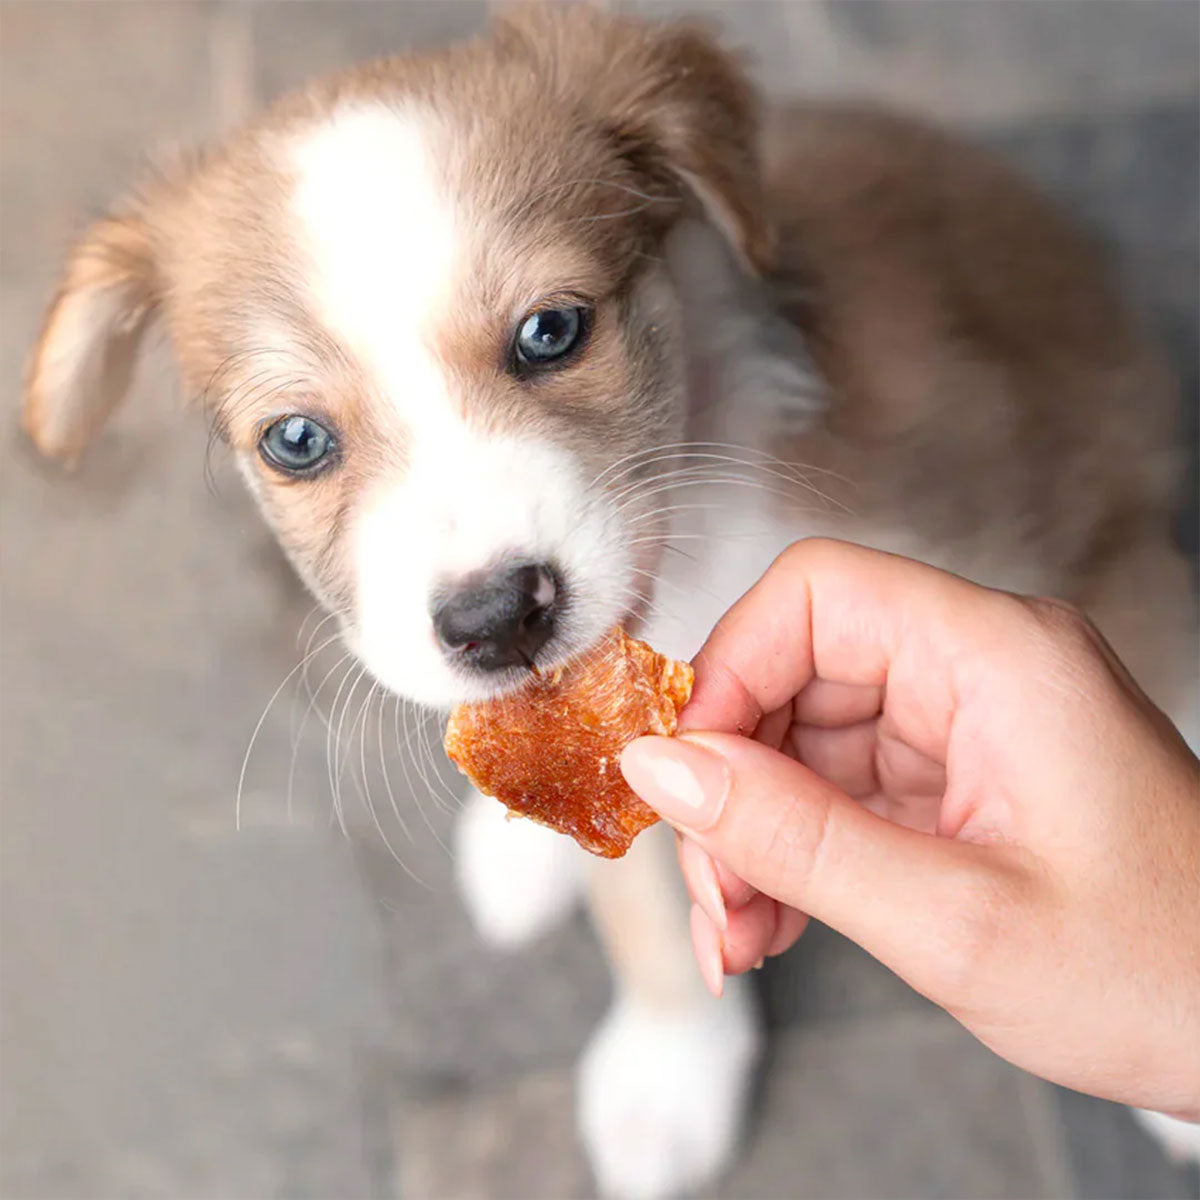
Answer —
84 357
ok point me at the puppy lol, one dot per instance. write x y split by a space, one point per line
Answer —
518 340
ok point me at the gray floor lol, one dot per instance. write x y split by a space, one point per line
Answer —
190 1011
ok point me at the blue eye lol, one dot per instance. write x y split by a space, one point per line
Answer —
296 444
547 335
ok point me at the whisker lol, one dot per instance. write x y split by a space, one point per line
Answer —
363 786
744 535
670 510
712 462
655 581
404 753
434 718
688 449
712 481
659 517
417 748
307 659
237 807
333 743
387 781
414 749
312 612
312 703
698 469
409 754
377 690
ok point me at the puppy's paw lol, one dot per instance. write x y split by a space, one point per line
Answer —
517 879
662 1095
1180 1139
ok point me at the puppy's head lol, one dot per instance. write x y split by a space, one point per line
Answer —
426 304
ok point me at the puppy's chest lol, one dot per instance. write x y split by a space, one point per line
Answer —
721 544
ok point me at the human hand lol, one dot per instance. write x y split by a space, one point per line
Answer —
969 785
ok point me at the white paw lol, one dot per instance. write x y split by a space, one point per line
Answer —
517 879
1180 1139
662 1095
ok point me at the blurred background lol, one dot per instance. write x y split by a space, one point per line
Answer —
282 1011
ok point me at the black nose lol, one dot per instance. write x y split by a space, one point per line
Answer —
497 620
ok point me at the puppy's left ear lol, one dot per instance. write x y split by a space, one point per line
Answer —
678 106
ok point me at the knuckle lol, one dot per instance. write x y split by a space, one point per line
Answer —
1067 642
1063 622
808 551
1047 635
793 557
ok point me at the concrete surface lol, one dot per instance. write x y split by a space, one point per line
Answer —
189 1011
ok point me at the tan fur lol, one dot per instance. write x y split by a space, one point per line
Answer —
85 354
964 324
988 381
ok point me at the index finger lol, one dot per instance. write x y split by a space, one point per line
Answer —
828 610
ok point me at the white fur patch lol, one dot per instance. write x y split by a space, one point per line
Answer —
381 236
662 1094
518 879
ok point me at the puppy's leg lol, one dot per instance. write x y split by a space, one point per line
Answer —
663 1083
518 879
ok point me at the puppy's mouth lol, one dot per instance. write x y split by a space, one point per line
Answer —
501 627
561 651
570 642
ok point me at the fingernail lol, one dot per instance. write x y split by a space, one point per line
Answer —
734 891
710 954
759 965
681 781
706 887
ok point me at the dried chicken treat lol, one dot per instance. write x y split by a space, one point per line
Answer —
551 751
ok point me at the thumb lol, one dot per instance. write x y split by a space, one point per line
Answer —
905 897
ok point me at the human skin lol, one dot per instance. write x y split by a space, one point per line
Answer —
965 782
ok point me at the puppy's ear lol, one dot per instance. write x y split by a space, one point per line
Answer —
85 354
676 103
689 103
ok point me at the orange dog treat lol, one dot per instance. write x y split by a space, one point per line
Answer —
551 751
